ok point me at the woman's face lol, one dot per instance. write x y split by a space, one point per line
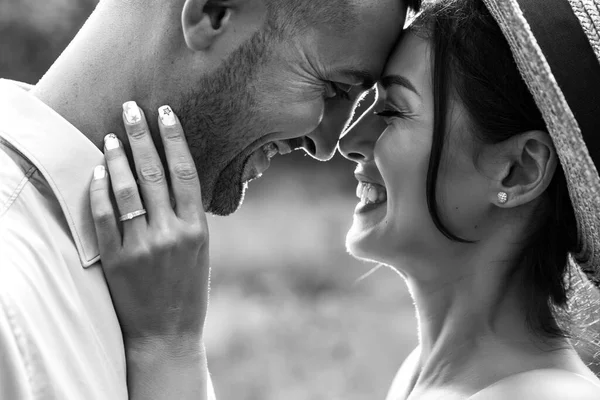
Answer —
392 223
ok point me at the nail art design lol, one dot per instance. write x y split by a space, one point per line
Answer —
111 142
132 112
167 116
99 172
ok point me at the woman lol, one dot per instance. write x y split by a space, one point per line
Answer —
479 192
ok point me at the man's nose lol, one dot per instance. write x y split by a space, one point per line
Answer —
322 142
359 142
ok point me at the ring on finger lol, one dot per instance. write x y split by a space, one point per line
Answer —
132 215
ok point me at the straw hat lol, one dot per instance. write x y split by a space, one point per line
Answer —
556 44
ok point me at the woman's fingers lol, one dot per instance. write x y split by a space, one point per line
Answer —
150 171
182 169
103 213
123 183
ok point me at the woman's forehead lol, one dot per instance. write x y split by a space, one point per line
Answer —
411 59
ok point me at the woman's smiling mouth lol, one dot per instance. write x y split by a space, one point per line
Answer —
372 195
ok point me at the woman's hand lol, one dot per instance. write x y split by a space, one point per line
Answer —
156 263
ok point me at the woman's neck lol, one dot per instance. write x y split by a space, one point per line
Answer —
468 312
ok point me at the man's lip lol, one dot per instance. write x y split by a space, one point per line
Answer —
284 145
295 143
256 164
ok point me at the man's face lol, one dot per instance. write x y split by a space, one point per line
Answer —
268 95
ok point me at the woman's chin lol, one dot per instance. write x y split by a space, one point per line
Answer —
361 240
368 217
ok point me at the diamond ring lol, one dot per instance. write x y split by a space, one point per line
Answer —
132 215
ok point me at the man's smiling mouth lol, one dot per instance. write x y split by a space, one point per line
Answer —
260 160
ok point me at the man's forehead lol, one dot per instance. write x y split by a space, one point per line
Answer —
361 52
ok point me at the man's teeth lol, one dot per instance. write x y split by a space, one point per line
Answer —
270 150
283 147
370 193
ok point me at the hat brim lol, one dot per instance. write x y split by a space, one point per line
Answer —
580 171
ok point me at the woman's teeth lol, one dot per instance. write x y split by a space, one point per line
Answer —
371 193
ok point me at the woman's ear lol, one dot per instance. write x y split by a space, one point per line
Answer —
526 168
204 21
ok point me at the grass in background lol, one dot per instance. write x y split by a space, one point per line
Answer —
287 319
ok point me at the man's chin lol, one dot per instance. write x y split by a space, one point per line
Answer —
228 191
226 202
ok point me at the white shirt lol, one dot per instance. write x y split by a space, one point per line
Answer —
59 334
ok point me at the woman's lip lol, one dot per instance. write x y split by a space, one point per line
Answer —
363 208
367 179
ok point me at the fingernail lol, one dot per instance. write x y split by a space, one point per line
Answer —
111 142
99 172
132 112
167 116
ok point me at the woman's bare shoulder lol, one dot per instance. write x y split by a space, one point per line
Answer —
542 384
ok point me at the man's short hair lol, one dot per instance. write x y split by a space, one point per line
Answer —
299 15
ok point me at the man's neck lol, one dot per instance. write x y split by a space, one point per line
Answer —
96 74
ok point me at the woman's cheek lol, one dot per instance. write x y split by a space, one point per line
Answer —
465 204
403 161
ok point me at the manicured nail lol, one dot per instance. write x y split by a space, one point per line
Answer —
111 142
132 112
99 172
167 116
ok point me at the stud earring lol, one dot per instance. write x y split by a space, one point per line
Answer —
502 197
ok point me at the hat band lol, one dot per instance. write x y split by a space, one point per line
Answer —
573 63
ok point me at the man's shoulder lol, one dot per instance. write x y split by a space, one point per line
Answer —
22 85
16 169
14 175
546 384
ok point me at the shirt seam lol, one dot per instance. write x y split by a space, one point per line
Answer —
20 340
79 243
13 197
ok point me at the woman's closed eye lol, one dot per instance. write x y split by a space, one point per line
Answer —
389 113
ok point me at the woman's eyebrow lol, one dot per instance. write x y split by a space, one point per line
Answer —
390 80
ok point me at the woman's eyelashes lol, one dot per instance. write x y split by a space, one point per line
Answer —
389 113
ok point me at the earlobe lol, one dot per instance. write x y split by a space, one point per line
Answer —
530 164
203 21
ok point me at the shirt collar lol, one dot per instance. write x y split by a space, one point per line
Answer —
64 156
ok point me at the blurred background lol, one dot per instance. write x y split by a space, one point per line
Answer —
288 319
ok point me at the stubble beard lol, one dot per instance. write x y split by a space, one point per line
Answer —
220 119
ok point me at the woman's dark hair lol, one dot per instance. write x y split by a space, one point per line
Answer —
473 62
414 5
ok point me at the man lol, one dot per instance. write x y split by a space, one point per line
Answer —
247 77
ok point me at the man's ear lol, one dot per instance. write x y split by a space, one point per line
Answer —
526 168
204 21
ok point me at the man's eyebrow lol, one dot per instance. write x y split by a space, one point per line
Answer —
365 78
390 80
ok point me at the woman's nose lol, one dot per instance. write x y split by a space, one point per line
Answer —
359 141
322 142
